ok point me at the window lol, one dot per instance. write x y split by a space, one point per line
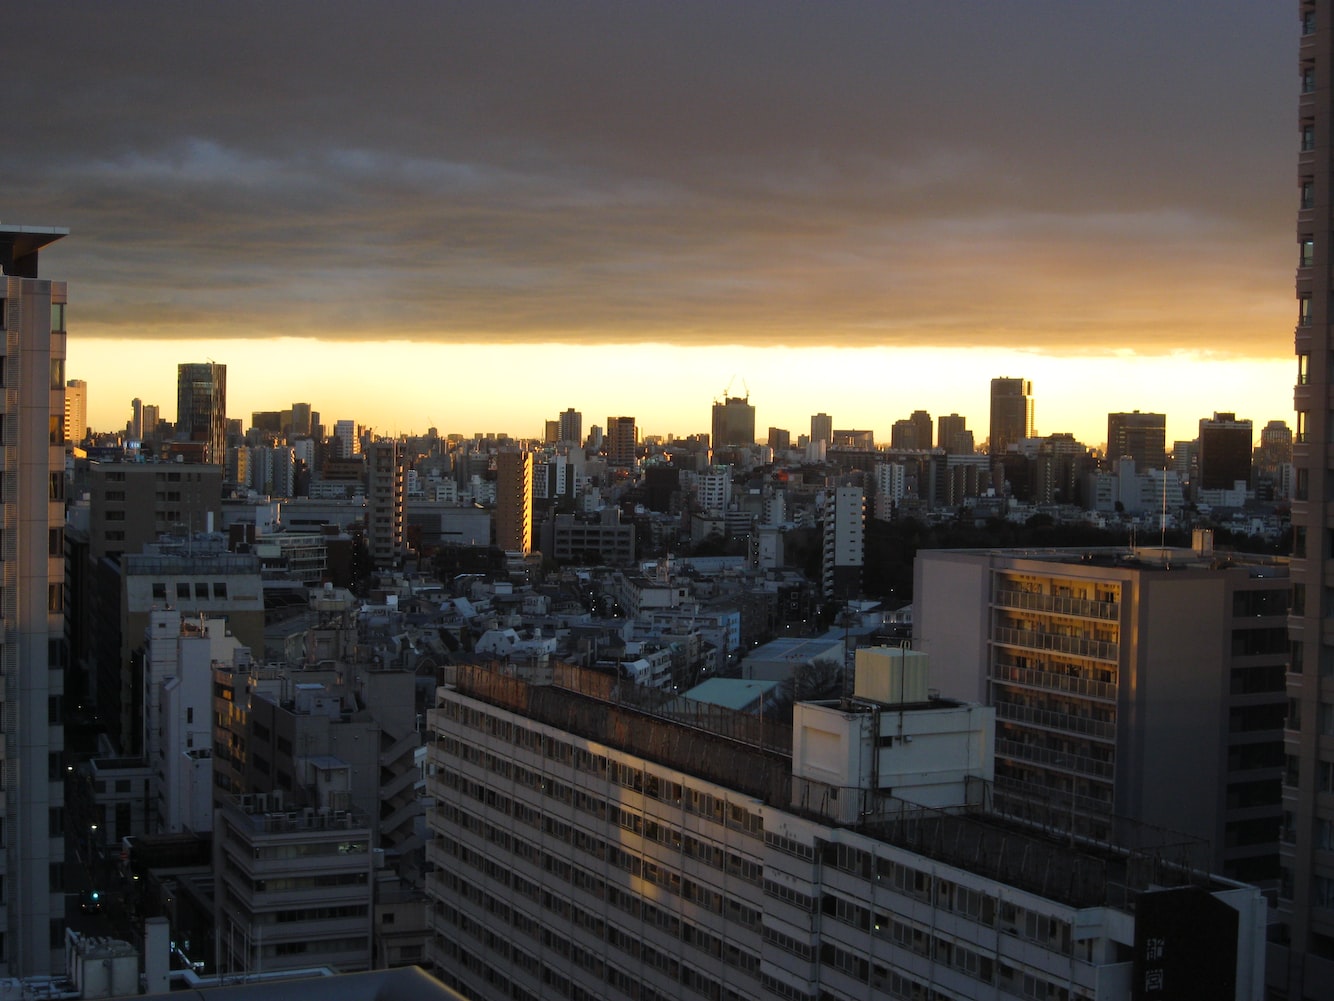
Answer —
56 487
183 590
1307 193
219 589
57 373
160 591
58 320
55 542
1308 22
1302 420
201 590
55 597
1308 137
1303 369
1304 311
55 427
1306 252
1308 78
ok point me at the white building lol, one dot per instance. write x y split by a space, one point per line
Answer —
844 541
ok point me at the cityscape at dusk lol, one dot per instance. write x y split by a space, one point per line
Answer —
459 227
695 501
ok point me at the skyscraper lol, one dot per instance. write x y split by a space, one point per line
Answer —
514 501
32 655
621 438
1225 452
1011 413
76 410
952 434
822 427
386 481
201 408
1306 889
1142 437
733 422
572 426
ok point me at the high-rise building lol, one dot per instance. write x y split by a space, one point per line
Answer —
300 425
551 432
621 439
514 501
1225 452
779 439
32 656
949 428
844 542
1142 437
386 478
152 417
1148 687
733 422
349 442
1271 464
1305 967
136 427
76 411
1011 413
822 427
201 408
572 426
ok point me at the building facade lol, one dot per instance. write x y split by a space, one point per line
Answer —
1142 437
514 501
76 411
621 439
1303 965
1011 413
1225 452
733 423
201 409
1147 686
32 654
385 496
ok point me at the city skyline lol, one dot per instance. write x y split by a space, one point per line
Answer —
597 189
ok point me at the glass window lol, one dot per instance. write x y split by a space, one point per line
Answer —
1308 193
58 316
1306 252
1308 137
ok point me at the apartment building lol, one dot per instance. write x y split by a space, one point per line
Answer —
588 847
1145 685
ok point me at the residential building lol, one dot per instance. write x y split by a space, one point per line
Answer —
76 411
1011 413
385 490
594 841
201 410
347 438
1144 685
844 542
600 538
1302 962
571 426
514 501
822 428
32 656
1142 437
621 441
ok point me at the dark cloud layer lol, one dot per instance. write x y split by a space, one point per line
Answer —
963 173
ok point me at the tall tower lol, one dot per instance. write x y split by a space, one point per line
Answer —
572 426
201 407
386 480
822 427
1143 437
32 652
622 437
514 501
76 410
1306 888
733 423
1011 413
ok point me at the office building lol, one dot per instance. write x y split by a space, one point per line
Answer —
136 503
733 423
1011 413
514 501
822 428
1302 966
571 426
347 440
621 440
953 436
385 491
1225 452
32 656
300 425
779 439
590 845
1145 686
1142 437
201 410
76 411
136 428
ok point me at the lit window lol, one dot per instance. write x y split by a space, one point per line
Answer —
1306 254
1304 311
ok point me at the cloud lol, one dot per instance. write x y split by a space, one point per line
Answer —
966 174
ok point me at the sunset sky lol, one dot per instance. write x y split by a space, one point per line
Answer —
475 215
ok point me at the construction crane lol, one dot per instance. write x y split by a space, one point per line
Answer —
727 390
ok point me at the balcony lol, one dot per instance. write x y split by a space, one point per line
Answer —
1077 646
1108 611
1058 721
1048 681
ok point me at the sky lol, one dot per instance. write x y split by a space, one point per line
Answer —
474 215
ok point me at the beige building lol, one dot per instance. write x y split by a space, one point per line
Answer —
386 478
1144 686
